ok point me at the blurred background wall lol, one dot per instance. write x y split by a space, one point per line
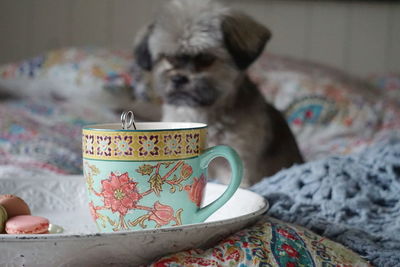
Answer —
357 36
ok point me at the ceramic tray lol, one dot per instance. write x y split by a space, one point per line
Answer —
63 201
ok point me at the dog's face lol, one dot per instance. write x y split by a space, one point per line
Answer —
194 79
198 50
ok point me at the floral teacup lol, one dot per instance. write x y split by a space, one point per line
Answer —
153 176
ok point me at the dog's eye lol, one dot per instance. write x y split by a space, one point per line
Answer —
177 61
171 60
204 60
174 61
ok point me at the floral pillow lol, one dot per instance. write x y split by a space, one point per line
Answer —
329 111
271 243
388 84
91 76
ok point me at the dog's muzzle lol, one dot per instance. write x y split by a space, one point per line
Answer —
179 80
185 94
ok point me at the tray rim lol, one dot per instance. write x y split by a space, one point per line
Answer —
187 227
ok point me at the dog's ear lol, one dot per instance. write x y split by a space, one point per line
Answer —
141 49
244 38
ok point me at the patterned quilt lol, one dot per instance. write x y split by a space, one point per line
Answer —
331 114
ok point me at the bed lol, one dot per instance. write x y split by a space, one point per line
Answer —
348 129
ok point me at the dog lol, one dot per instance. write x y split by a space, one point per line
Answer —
195 54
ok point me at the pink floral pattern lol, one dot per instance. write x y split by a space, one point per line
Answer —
93 211
162 214
120 193
196 190
186 171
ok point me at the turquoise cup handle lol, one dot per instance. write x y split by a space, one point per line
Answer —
237 173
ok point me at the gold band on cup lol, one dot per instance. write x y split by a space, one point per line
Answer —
143 145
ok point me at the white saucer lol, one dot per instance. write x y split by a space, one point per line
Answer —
62 199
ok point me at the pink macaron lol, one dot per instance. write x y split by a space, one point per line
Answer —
27 224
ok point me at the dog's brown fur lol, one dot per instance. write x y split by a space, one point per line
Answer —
196 54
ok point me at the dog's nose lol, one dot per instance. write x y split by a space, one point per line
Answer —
179 79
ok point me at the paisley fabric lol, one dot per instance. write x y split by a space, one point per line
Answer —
268 243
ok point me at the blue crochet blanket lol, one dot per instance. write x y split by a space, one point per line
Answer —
354 200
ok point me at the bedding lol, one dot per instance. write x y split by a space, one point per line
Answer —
268 243
351 199
348 129
330 112
40 137
92 76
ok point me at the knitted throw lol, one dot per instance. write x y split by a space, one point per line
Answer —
354 200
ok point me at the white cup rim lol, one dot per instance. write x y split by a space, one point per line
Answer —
146 126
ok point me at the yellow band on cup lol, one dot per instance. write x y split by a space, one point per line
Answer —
143 146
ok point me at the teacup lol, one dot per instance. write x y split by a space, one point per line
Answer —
153 176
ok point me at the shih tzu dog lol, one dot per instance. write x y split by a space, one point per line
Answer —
195 54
